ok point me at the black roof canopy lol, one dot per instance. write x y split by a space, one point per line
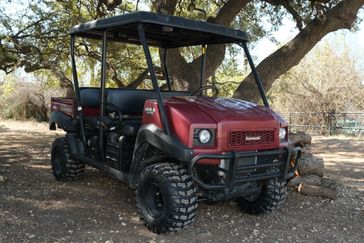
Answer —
161 30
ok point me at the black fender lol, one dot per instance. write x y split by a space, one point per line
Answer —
170 146
75 144
61 120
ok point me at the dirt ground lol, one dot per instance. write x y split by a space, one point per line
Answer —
34 207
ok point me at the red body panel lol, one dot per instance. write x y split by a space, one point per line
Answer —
151 113
68 106
223 114
232 120
65 105
91 110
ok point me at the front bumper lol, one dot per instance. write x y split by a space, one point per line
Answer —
276 164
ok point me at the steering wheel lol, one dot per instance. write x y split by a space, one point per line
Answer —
116 108
109 121
197 92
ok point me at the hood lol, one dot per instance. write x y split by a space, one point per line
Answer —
224 109
222 114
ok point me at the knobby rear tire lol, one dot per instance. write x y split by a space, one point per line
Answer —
63 166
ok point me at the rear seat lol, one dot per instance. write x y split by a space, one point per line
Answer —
130 102
90 101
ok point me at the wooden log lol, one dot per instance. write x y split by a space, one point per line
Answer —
306 150
295 182
313 180
317 191
300 139
311 165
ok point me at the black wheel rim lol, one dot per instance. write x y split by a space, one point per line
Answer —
154 200
57 161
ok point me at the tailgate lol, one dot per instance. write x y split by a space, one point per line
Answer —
65 105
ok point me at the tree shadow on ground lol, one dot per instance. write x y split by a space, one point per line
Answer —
3 129
343 156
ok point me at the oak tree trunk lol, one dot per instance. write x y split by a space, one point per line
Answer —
342 16
189 73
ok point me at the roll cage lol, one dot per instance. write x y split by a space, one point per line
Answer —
150 29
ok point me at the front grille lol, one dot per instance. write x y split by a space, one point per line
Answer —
279 160
239 138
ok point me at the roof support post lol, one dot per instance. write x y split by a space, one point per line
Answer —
203 66
77 93
166 69
157 91
102 95
255 74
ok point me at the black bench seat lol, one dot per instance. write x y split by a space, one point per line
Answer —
129 101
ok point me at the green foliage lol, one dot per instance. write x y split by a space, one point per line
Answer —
46 79
42 28
7 87
229 75
36 38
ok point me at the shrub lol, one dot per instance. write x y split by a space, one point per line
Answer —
23 101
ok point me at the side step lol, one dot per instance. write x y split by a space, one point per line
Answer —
119 175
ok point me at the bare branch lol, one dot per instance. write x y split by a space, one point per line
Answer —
165 6
111 4
192 6
137 5
115 78
286 4
228 12
141 77
29 26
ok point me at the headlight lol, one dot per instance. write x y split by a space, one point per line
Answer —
204 136
282 133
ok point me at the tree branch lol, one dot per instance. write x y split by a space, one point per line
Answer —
342 16
29 26
166 6
109 4
286 4
189 72
141 77
65 82
115 78
228 12
192 6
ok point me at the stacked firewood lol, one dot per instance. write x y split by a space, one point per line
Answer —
309 178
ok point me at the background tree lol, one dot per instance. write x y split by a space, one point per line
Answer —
323 84
38 38
22 99
324 81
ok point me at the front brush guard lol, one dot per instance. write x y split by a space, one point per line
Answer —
292 157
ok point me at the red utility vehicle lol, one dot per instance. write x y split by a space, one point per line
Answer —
174 147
